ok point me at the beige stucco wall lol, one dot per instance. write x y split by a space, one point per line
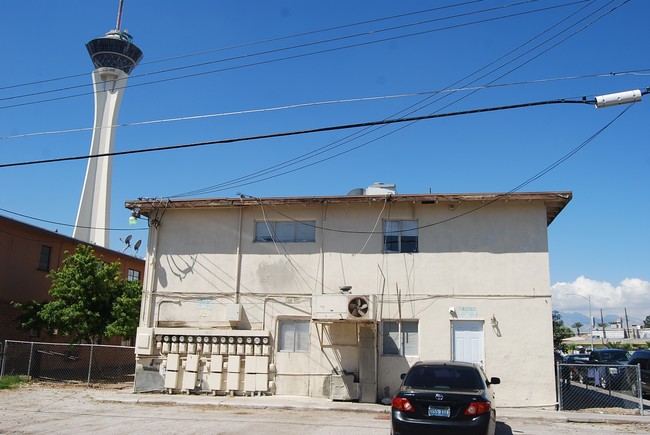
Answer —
493 260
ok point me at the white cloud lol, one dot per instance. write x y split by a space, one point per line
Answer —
632 294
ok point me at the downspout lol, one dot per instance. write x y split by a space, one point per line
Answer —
239 256
148 307
322 248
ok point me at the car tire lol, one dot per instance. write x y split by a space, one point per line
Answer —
581 378
605 383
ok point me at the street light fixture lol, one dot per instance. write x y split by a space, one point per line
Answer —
591 319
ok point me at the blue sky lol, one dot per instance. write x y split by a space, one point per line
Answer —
227 64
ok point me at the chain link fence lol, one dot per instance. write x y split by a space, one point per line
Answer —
612 389
89 363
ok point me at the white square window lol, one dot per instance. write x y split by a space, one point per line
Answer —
407 345
294 336
401 236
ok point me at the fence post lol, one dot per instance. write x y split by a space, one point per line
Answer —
638 384
2 351
29 363
558 383
90 362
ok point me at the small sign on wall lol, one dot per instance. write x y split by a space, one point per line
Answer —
466 312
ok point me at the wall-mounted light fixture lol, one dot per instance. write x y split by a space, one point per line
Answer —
345 289
495 325
135 214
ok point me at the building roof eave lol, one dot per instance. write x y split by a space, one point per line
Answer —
554 201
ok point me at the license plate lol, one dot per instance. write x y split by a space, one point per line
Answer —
438 411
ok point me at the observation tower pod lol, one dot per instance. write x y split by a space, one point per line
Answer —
114 57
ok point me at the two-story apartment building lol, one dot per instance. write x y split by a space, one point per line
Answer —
337 296
27 255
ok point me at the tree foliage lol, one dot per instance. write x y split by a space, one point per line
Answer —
646 322
560 332
577 326
29 319
91 300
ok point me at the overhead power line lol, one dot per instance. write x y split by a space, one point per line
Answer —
290 57
253 43
538 175
301 132
498 197
290 166
638 72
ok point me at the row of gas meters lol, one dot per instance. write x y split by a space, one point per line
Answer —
193 341
211 340
218 374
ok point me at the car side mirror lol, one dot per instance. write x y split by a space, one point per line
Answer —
402 376
495 381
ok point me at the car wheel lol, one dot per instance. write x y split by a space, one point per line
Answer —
604 383
582 379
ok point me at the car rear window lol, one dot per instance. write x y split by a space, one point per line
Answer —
444 377
613 356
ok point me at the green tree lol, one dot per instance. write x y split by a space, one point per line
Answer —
577 325
126 311
646 322
91 300
560 331
29 318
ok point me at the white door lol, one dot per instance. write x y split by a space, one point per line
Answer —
468 341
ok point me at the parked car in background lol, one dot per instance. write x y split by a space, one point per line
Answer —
640 358
574 368
448 397
576 358
608 376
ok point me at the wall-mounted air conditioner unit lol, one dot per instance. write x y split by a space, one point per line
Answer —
343 307
360 308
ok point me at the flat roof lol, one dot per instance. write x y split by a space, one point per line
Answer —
554 201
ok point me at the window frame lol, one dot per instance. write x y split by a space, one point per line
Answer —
45 258
409 345
285 231
133 275
406 242
301 336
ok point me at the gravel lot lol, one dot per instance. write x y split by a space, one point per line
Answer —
63 409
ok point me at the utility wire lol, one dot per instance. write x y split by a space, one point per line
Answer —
498 197
269 61
248 44
255 177
447 115
535 177
68 225
301 132
638 72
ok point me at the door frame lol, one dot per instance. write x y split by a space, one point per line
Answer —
454 328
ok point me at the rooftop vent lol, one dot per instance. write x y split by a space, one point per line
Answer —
381 189
375 189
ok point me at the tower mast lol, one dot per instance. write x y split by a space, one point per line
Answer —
118 26
114 56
